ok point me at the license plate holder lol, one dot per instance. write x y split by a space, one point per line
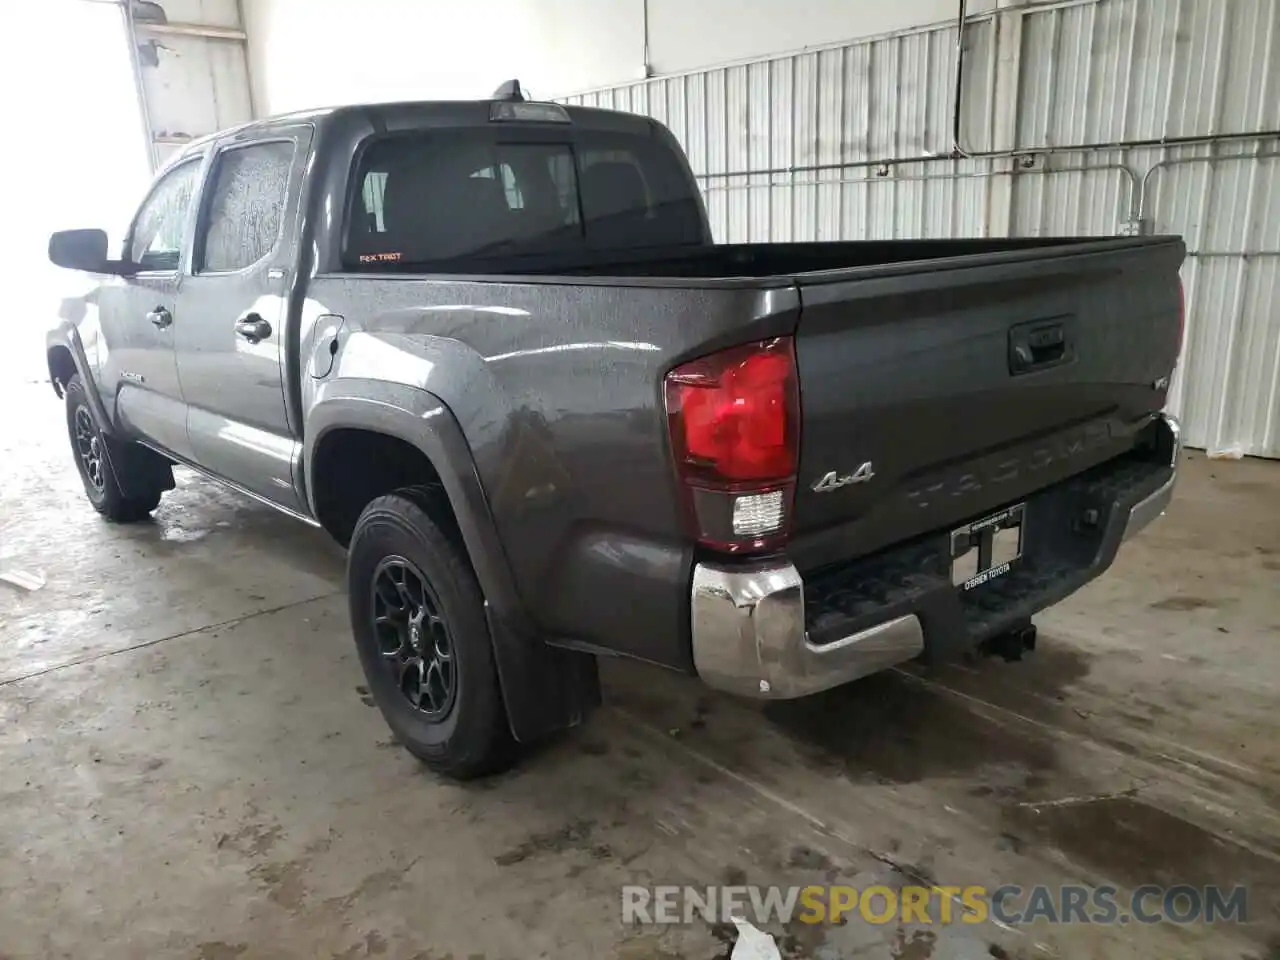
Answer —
988 548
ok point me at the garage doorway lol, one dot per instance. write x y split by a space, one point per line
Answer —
79 156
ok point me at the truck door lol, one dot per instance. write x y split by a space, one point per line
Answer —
138 316
231 347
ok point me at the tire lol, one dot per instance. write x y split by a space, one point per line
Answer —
99 462
403 568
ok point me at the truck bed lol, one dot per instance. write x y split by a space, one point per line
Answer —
771 262
906 352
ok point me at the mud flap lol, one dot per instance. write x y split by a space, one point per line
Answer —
545 688
137 469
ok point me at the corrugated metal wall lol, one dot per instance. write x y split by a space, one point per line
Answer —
836 107
788 149
1149 69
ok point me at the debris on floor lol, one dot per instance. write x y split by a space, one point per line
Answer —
28 580
753 944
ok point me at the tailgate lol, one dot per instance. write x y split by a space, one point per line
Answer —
934 393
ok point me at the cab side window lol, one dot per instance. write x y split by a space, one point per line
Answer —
247 195
156 240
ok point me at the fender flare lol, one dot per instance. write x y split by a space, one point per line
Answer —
544 688
137 469
67 337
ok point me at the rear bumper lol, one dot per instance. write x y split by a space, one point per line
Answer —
749 636
1153 505
754 635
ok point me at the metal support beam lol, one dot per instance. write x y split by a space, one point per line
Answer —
145 36
131 37
206 31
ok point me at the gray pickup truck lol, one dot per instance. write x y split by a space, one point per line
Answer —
492 349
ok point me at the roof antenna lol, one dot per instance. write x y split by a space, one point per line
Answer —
509 91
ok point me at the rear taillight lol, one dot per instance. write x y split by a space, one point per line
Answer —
734 418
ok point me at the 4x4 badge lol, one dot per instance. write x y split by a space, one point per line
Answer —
834 481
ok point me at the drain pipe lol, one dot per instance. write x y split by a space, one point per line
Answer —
957 151
646 68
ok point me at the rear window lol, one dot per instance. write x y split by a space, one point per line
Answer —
447 198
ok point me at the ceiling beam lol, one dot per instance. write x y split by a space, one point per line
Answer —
206 31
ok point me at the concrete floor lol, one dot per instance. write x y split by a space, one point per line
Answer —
190 768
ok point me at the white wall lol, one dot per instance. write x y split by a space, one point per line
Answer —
306 53
688 34
86 167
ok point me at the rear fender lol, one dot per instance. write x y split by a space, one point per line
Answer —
544 688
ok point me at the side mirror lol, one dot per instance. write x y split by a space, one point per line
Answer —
85 250
79 250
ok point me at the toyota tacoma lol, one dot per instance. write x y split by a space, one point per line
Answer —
492 349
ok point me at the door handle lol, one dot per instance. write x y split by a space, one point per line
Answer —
160 317
253 328
1038 345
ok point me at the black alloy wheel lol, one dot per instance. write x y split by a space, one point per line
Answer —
89 448
414 638
103 462
421 630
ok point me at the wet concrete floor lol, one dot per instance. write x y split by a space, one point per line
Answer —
190 768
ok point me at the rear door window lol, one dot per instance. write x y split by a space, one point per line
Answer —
450 197
247 196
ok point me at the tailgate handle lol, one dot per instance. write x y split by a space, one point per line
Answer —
1034 346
